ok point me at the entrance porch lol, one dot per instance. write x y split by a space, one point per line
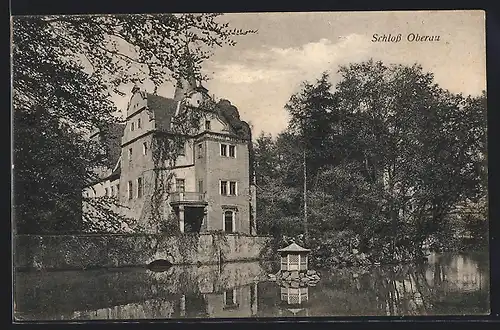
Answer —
191 210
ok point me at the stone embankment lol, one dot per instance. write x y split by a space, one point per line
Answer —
296 279
65 252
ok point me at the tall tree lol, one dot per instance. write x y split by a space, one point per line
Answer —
312 117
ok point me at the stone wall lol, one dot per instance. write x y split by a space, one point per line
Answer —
129 250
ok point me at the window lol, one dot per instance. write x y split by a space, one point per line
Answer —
223 188
207 125
223 150
303 262
139 123
232 151
139 187
180 185
117 189
284 262
231 185
200 150
230 298
228 221
132 126
106 191
200 186
145 148
130 190
130 154
232 188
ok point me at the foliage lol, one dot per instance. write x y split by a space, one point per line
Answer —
389 157
65 70
170 226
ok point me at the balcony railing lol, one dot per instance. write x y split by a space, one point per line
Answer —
186 196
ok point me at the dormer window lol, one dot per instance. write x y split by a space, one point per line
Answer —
207 125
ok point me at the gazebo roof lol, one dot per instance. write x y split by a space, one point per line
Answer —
294 248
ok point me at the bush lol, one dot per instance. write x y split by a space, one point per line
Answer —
170 225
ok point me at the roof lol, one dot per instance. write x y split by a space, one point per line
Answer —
115 174
110 136
294 248
163 109
113 142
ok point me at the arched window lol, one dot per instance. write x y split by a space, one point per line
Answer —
229 221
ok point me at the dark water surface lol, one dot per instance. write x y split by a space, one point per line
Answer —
448 284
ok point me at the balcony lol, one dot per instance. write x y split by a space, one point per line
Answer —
186 197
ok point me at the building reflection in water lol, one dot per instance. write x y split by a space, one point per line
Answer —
180 292
457 274
233 302
446 285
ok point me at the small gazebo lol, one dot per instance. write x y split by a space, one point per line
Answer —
294 258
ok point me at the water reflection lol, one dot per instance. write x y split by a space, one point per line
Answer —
293 301
447 285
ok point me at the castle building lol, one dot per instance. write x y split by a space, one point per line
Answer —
210 182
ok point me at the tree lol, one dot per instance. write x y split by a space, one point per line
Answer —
276 206
65 68
417 138
390 155
313 115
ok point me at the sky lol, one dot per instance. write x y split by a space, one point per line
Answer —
263 70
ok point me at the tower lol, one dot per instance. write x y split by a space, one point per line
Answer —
183 87
187 81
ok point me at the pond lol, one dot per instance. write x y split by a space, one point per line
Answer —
448 284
